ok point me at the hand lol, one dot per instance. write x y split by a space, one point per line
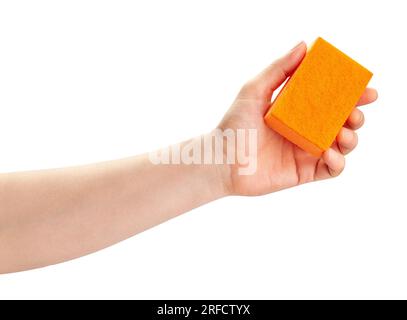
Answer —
280 163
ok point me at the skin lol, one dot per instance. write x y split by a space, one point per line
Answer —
56 215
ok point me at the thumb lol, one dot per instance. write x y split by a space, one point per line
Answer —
263 85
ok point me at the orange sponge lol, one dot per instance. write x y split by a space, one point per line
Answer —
318 98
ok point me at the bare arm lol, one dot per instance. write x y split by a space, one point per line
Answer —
55 215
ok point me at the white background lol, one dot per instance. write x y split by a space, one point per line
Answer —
86 81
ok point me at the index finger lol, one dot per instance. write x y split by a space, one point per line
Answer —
369 95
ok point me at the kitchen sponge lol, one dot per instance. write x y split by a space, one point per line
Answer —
318 98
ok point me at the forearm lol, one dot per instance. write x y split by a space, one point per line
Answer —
55 215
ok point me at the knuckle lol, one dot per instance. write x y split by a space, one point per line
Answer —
338 170
361 118
355 139
277 68
248 89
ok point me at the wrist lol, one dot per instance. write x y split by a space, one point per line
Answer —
218 171
222 180
200 164
212 169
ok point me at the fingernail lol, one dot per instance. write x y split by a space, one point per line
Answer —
332 155
347 135
329 154
297 46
